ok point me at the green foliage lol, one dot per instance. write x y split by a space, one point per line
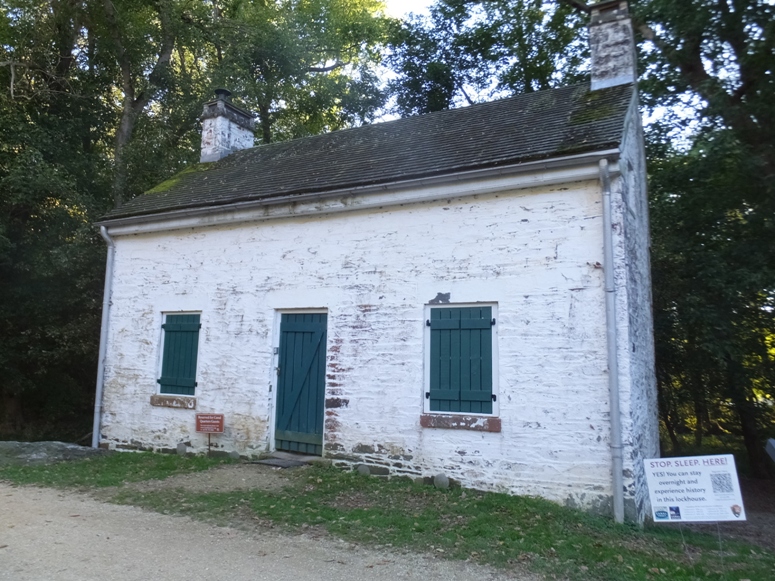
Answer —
51 169
487 528
714 294
709 66
113 469
469 50
99 102
305 66
717 56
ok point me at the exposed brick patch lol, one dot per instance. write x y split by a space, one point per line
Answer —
337 402
450 422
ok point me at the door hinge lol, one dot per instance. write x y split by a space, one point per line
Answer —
427 395
492 322
494 397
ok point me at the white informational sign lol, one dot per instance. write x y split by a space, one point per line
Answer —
694 489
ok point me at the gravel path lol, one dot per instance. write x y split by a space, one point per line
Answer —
52 535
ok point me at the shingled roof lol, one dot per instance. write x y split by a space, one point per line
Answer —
539 125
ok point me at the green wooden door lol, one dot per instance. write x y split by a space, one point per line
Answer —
301 383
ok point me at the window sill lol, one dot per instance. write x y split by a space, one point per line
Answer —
182 402
461 422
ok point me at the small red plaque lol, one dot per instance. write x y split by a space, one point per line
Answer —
209 423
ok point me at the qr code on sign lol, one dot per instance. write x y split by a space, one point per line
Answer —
722 483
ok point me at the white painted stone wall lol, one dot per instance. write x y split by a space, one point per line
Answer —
637 346
221 136
612 47
536 253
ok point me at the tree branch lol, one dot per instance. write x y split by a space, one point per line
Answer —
463 91
327 69
12 67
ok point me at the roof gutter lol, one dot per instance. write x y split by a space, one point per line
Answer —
95 437
611 336
437 187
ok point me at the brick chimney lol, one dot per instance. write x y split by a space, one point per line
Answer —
225 128
612 44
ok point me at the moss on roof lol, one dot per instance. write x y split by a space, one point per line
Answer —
528 127
175 180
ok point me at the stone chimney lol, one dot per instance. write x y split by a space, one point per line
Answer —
225 128
612 44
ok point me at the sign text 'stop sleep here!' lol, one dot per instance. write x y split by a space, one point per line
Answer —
694 489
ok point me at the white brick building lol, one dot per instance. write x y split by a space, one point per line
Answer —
421 296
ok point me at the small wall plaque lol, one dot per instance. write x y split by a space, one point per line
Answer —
459 422
174 401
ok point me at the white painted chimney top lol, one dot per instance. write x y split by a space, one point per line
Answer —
612 44
225 128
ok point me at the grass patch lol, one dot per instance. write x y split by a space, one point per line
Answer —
109 470
490 528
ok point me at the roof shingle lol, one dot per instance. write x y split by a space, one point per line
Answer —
539 125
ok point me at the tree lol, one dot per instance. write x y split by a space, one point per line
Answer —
140 36
99 100
305 66
711 65
468 51
718 55
713 281
51 163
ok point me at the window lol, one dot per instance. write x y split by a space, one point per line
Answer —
178 364
461 360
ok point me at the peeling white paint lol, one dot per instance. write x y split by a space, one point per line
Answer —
533 252
222 136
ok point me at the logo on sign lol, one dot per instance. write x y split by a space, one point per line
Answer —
675 513
661 514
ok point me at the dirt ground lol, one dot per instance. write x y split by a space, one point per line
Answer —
759 528
47 534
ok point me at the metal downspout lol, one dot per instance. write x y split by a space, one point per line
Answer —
95 438
613 360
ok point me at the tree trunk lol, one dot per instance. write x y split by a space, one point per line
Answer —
11 420
265 120
666 418
698 394
757 458
123 136
747 414
132 107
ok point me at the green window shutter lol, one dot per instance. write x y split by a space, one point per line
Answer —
178 365
461 360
